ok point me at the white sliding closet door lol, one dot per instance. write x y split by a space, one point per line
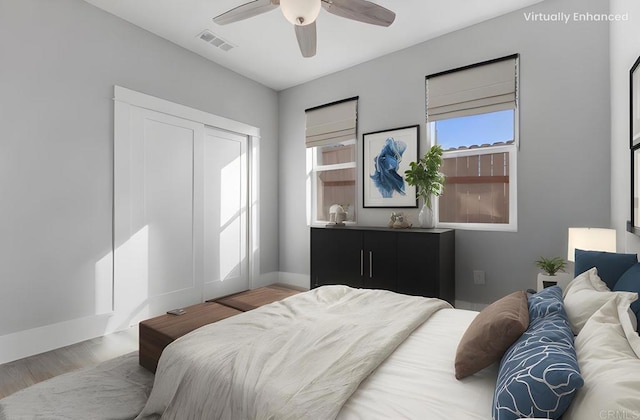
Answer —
225 181
154 214
180 212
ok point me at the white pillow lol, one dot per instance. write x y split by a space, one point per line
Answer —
589 280
586 294
608 350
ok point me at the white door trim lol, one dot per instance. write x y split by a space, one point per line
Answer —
131 97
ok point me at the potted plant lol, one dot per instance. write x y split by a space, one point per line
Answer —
425 175
551 275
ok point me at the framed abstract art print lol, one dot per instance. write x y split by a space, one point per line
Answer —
386 156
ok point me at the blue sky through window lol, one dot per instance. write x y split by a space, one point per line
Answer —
475 129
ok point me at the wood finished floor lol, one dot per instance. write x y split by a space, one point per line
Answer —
23 373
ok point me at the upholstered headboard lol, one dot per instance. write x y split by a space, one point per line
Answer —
621 272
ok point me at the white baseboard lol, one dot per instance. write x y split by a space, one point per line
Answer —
265 279
41 339
295 279
471 306
38 340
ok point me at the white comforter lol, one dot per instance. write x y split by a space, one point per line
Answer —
300 358
417 381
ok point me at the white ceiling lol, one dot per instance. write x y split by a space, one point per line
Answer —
266 49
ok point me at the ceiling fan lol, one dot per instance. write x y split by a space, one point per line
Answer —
303 13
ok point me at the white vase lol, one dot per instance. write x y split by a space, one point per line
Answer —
425 217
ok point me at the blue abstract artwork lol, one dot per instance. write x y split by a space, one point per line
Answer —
386 156
386 164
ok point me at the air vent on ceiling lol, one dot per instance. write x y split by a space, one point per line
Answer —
215 40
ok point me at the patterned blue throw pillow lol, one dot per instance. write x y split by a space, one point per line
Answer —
545 302
539 374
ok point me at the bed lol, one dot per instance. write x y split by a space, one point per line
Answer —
344 353
387 356
338 352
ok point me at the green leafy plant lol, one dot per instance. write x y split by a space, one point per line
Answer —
551 265
425 175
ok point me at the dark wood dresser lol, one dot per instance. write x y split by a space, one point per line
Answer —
417 262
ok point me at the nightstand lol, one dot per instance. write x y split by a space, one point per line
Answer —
560 279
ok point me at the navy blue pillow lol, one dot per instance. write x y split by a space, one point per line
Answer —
630 282
610 265
539 374
545 302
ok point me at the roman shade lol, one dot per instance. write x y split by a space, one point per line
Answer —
332 123
481 88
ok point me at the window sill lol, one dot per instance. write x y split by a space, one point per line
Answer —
488 227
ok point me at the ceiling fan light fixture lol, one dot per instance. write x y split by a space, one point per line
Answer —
300 12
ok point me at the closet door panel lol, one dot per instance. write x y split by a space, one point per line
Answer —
225 215
153 214
168 210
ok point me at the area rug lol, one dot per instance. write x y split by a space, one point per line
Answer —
116 389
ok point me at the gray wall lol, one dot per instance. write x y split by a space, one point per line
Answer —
59 62
625 49
564 167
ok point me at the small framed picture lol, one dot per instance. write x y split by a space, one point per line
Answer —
635 191
386 156
633 225
635 103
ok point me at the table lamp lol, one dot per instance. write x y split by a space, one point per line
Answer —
590 239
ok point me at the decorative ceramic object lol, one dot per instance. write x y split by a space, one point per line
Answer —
337 215
425 217
398 221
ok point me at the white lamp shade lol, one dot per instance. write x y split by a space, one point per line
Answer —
590 239
300 12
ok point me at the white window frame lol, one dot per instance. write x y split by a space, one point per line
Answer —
512 149
315 169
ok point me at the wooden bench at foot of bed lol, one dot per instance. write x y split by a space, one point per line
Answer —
252 299
157 333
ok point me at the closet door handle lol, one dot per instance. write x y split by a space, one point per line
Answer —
361 263
370 264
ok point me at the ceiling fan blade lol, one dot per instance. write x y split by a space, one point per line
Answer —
246 11
307 39
360 10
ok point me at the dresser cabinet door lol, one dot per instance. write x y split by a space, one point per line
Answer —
426 265
418 264
380 260
336 257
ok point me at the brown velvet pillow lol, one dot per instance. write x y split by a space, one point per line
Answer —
491 333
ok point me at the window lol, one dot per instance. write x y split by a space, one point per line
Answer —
473 114
335 179
331 138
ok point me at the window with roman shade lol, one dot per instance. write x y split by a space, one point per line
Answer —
331 133
331 123
477 89
472 112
